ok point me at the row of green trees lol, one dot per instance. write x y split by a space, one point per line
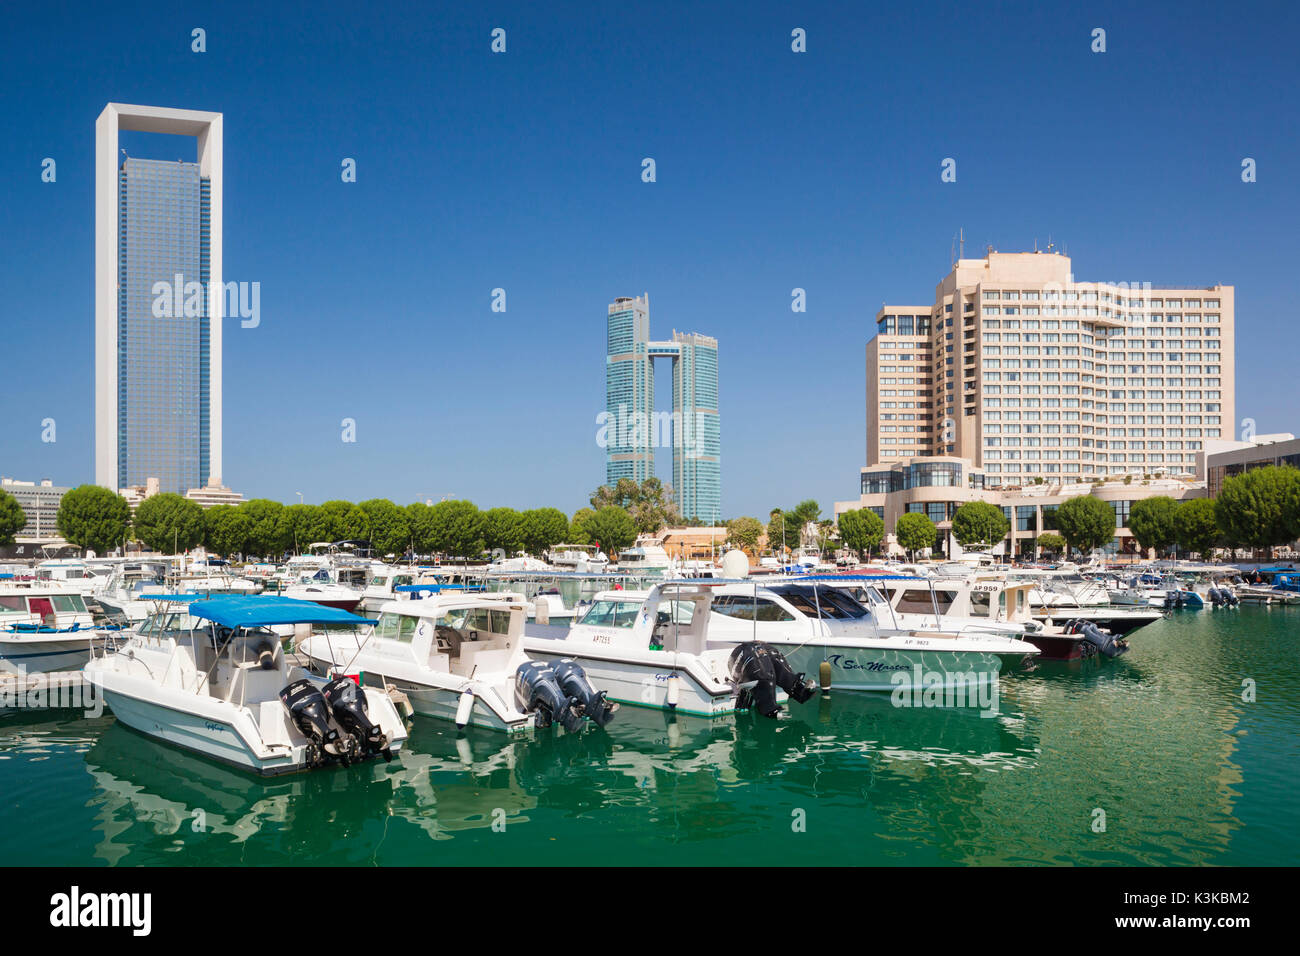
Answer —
97 518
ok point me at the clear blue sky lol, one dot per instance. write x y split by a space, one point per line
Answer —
522 171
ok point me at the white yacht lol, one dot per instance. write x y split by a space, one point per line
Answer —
822 630
383 584
646 557
582 558
122 596
652 649
460 657
43 627
211 676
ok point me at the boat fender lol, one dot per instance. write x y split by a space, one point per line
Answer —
673 692
464 707
574 683
347 702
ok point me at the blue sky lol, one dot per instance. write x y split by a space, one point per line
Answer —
775 170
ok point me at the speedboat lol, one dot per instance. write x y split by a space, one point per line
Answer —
43 628
123 595
460 657
653 649
211 676
320 588
822 630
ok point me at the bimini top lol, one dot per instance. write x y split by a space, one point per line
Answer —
263 611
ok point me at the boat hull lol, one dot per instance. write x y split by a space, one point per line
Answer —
39 655
877 669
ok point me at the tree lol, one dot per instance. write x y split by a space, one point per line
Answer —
1195 526
1152 522
979 523
227 529
268 533
390 532
93 517
578 526
914 531
456 529
306 524
743 533
651 503
612 528
420 523
12 517
862 530
1051 541
544 528
503 530
1258 508
169 523
1086 522
785 528
347 522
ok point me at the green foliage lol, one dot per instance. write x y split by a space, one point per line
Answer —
269 533
419 519
650 504
456 529
1086 522
979 523
93 517
304 525
12 517
169 523
1051 541
785 528
390 532
914 531
862 530
227 529
578 527
743 533
347 522
544 528
503 530
1261 507
1151 520
612 528
1195 526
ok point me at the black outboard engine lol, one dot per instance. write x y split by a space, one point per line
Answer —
1104 641
310 713
574 683
766 669
539 692
348 705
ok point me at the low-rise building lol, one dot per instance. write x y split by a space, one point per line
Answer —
40 503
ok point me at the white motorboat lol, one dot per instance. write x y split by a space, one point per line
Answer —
652 649
460 657
319 587
383 584
122 596
210 676
582 558
43 628
821 630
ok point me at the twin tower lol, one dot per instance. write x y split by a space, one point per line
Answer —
632 430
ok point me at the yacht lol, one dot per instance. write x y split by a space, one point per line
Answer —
578 557
820 629
43 627
211 676
314 578
460 657
653 648
122 596
382 588
646 557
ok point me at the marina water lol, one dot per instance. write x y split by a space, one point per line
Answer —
1152 758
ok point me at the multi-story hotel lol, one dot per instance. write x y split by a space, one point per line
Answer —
158 304
635 429
1019 381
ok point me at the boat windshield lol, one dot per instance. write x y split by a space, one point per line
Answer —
826 603
612 613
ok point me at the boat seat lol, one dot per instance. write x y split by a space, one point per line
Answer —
484 656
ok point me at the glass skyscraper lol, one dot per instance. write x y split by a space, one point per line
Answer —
635 429
158 301
163 375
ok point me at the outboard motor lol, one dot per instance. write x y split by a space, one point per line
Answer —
539 692
574 683
310 714
1103 641
347 703
766 669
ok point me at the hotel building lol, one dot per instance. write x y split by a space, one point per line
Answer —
1019 381
635 429
158 376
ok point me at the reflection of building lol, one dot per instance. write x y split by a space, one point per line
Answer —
635 429
1227 458
158 303
1030 375
938 486
40 503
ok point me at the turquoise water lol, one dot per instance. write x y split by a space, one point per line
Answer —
1185 771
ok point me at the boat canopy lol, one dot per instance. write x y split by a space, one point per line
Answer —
264 611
